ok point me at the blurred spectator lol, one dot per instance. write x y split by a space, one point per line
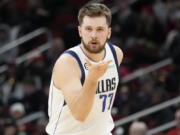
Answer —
5 38
176 131
4 34
2 119
149 28
33 69
123 97
119 131
33 99
163 116
124 101
40 128
10 129
11 88
125 22
57 48
172 81
172 7
160 11
138 128
17 111
147 88
171 47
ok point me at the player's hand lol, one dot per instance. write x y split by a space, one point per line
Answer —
97 70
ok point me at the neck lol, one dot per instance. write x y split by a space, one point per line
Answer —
94 56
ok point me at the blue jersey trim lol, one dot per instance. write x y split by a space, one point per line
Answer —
72 53
64 103
115 56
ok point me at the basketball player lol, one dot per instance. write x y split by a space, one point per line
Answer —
85 79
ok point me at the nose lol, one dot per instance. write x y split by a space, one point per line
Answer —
94 34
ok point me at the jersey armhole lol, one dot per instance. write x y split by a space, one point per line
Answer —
115 57
74 55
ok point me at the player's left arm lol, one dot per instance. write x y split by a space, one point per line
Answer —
119 54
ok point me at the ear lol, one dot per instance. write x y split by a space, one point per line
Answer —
109 32
79 30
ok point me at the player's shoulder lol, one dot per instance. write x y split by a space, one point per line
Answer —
62 69
64 65
118 49
64 60
66 57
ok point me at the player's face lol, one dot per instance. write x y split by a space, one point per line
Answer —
94 33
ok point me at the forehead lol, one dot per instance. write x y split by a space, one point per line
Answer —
94 21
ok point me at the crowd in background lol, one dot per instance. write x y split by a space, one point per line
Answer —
147 31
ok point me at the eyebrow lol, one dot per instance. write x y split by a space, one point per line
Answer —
96 27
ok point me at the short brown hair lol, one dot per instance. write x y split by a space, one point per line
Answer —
95 10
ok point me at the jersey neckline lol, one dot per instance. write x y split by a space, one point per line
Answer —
92 59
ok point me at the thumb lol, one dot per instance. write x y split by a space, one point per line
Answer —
108 62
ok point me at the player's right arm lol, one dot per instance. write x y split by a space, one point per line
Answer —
66 77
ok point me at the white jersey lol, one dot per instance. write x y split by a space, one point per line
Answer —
99 120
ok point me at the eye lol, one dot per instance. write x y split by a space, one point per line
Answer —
88 29
100 29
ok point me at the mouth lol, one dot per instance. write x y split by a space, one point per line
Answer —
94 43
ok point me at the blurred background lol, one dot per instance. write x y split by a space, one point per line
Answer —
34 33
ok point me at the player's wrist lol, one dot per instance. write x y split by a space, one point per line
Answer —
92 79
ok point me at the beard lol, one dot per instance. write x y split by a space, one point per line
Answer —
94 48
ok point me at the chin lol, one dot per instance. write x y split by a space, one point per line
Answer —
96 51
